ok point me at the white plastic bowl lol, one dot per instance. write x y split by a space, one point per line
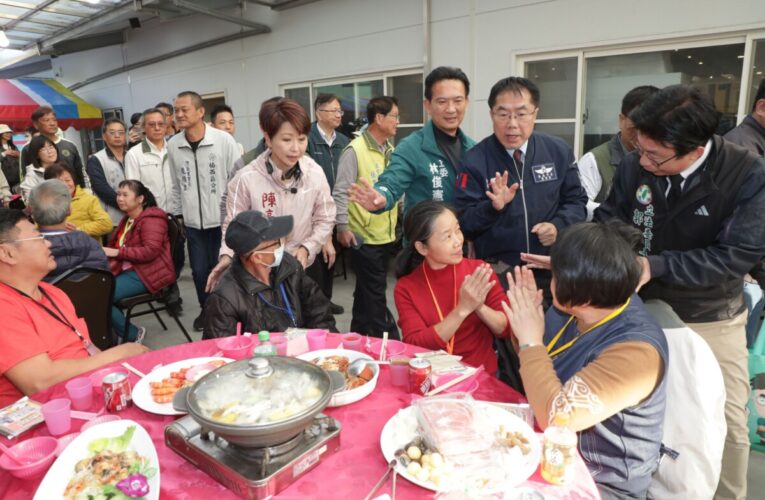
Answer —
349 396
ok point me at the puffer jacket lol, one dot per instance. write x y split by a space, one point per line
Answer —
71 249
311 205
88 215
237 297
147 248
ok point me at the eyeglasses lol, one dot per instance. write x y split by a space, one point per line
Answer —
395 117
338 112
115 133
38 237
522 117
656 163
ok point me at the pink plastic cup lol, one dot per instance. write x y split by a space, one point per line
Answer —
352 341
58 416
280 341
236 347
317 339
80 391
399 371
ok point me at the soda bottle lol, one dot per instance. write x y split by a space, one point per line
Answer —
559 450
265 347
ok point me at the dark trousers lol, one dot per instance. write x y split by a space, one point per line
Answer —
322 275
204 246
371 315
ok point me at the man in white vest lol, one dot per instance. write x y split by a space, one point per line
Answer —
106 168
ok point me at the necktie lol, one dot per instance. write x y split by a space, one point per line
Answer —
675 191
518 157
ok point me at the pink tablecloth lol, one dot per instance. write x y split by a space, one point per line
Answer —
349 474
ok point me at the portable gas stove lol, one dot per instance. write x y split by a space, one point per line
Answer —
254 473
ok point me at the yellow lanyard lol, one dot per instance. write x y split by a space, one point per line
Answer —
571 342
128 227
450 344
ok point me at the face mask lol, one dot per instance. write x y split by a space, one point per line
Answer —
278 254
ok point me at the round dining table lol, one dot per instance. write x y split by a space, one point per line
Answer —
349 473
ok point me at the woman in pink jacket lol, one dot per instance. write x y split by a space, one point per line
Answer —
283 180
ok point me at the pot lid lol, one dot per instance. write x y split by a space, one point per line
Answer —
259 391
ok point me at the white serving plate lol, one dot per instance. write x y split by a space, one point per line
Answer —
55 481
346 397
142 390
402 428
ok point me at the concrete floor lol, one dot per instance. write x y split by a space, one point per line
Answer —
156 338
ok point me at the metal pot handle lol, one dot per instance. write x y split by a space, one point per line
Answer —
179 399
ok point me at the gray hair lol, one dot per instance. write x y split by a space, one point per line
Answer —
49 202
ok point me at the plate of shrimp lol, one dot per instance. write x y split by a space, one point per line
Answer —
154 393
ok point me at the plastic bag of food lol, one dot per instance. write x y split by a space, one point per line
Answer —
452 424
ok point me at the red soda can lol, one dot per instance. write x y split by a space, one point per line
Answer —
419 376
117 394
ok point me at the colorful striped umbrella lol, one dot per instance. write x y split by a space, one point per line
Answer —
20 97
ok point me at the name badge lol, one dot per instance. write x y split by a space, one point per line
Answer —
544 173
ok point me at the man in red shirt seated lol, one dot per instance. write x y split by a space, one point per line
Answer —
43 342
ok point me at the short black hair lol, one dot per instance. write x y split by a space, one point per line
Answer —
679 115
152 111
112 121
515 84
324 99
134 118
596 264
35 145
220 108
196 99
42 111
445 73
636 96
165 105
9 217
760 94
57 169
380 106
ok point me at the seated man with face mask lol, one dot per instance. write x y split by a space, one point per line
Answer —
264 288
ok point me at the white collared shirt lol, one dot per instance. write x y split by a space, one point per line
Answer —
694 166
523 149
329 139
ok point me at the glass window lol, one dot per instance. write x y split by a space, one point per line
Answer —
563 130
758 72
715 69
408 90
354 97
301 95
556 79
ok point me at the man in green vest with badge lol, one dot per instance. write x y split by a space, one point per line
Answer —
597 166
369 236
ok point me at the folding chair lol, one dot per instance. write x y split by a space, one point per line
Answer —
91 291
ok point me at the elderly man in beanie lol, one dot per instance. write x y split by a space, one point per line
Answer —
265 288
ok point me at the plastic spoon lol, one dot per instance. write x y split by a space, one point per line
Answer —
13 455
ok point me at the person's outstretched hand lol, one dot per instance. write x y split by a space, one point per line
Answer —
524 311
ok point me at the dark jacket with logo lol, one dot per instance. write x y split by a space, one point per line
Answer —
699 250
325 155
237 297
551 192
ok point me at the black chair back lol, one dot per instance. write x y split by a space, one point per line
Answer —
91 291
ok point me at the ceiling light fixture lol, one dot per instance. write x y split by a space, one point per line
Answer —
4 42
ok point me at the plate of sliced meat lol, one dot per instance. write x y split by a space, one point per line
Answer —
154 392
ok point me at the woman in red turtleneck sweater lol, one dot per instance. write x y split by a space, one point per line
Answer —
445 301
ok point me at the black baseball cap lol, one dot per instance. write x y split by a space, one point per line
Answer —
251 228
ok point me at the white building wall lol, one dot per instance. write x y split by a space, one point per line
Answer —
337 38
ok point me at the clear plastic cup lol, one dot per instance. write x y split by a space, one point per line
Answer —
399 371
352 341
317 339
280 341
80 391
58 416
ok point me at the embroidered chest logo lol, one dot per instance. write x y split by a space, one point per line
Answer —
643 219
643 195
438 172
211 171
544 173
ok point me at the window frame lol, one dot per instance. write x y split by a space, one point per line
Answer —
584 52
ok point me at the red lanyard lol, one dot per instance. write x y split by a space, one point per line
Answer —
450 344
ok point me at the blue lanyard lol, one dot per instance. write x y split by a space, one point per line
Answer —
288 310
